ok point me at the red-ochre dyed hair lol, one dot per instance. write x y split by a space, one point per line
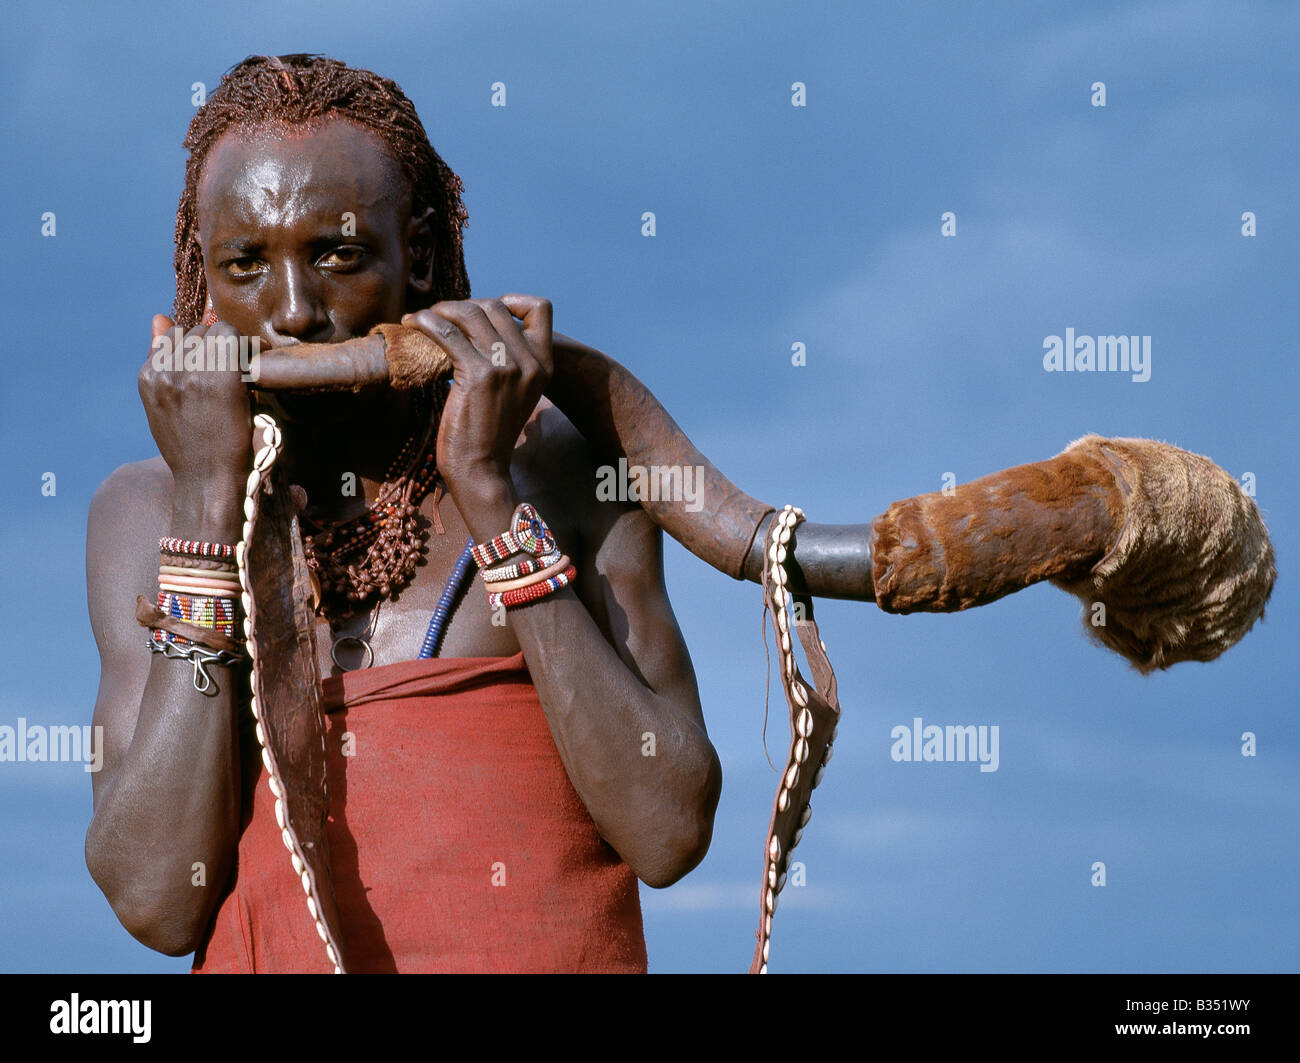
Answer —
303 89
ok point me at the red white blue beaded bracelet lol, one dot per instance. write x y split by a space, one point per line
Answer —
528 534
171 545
534 591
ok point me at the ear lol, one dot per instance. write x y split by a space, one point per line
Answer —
419 241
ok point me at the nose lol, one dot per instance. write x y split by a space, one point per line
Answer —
297 311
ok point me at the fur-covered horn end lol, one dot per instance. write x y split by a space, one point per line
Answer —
413 359
1192 567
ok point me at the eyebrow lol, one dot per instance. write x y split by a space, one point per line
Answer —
248 245
237 243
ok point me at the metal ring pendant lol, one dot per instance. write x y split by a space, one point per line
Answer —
360 639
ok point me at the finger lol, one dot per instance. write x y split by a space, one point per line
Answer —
516 343
468 316
535 313
466 361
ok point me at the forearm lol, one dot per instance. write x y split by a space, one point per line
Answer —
647 774
162 840
166 823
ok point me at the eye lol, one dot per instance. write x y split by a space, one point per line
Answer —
242 267
342 258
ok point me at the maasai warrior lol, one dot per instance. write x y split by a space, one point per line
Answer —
492 808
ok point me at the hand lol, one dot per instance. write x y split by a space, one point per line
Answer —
501 368
201 420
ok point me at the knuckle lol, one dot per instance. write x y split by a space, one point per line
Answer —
451 308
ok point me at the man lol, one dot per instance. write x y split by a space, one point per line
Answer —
314 210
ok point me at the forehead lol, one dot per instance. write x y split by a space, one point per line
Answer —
274 176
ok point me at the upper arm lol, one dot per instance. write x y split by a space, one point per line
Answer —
621 573
127 514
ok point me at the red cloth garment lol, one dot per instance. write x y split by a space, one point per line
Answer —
457 842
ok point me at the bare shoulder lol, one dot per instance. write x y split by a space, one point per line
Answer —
620 573
134 486
128 513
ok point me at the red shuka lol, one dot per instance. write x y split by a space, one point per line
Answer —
457 842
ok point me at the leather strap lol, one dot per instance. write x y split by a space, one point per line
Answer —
814 712
280 629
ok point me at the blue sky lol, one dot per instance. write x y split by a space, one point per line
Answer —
775 224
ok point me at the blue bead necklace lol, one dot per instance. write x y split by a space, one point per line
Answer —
456 583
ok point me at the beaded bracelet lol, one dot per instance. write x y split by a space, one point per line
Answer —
523 568
172 545
534 591
538 577
216 614
528 534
